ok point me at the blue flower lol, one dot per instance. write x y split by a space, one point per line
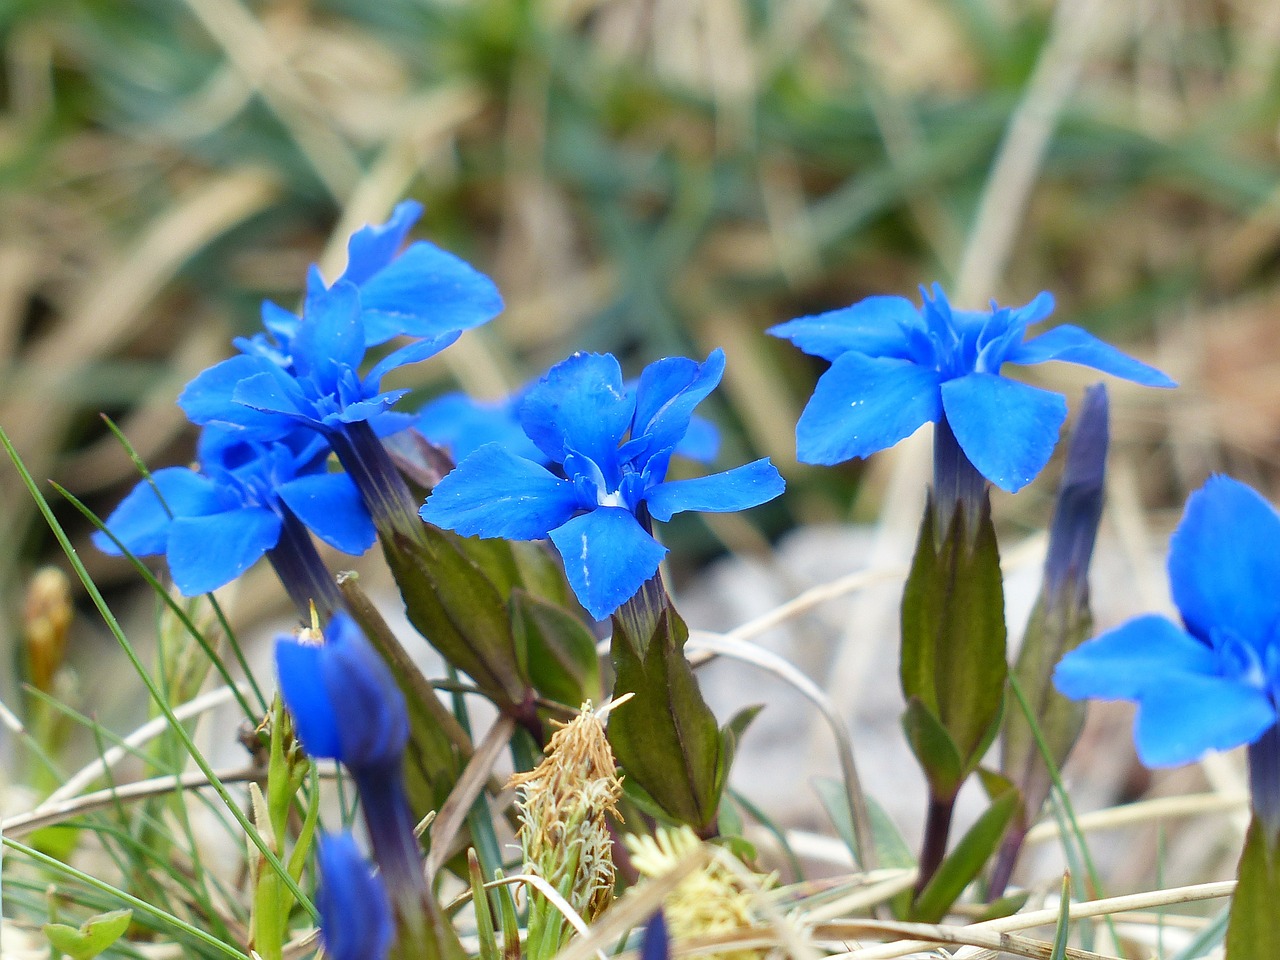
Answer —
609 448
1211 684
895 368
214 524
461 425
344 702
355 915
307 369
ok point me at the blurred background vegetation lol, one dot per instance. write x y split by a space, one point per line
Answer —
649 177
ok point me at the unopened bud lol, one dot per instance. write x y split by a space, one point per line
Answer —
46 620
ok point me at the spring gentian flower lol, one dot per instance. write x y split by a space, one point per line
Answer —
895 368
1211 683
248 499
355 916
461 425
346 707
609 449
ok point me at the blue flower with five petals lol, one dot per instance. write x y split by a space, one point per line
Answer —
895 368
1214 682
214 524
609 448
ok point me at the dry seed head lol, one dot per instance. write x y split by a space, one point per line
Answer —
46 618
564 804
713 899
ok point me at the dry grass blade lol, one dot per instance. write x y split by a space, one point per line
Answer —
972 936
144 734
453 812
47 814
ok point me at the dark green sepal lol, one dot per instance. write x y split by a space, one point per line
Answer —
666 738
939 758
560 651
1253 930
454 603
953 631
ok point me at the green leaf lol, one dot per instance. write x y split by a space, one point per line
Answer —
93 937
1006 906
1063 930
966 860
934 748
1051 632
452 602
953 631
1253 930
890 846
562 660
666 738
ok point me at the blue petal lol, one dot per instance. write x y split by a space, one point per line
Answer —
275 398
607 557
373 247
701 441
738 489
355 914
141 522
209 397
580 405
865 404
1224 562
1188 715
373 409
410 353
1123 663
1071 344
1033 312
668 391
331 335
282 323
426 292
462 425
873 326
1007 429
208 552
302 687
494 493
331 506
657 942
375 722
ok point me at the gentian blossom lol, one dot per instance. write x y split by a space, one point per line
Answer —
346 707
355 916
249 498
895 368
1213 682
461 425
608 450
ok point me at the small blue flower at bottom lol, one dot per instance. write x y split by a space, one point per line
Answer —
1213 683
344 701
355 915
895 368
609 448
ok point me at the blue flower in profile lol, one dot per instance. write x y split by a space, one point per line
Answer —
895 368
344 701
249 498
1213 682
346 707
608 449
355 915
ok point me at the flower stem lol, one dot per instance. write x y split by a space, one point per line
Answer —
957 484
367 462
937 829
1264 781
305 577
